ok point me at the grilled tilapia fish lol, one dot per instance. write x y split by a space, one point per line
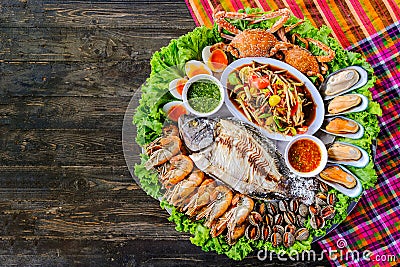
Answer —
236 154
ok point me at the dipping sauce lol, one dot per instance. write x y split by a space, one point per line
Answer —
203 96
304 155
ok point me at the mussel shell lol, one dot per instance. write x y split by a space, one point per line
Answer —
354 192
337 175
360 162
302 234
363 79
363 105
341 81
288 239
357 135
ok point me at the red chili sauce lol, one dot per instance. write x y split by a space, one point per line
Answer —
304 155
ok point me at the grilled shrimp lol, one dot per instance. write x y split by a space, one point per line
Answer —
221 200
201 198
234 219
161 150
184 188
180 167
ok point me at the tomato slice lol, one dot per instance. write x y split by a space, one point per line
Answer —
259 82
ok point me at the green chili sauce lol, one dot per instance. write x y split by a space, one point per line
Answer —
203 96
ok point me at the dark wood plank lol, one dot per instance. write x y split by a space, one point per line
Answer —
29 113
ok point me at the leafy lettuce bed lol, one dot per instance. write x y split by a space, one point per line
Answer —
167 64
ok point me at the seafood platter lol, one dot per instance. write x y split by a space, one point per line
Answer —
256 134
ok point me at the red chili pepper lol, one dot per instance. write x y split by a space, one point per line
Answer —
259 82
295 107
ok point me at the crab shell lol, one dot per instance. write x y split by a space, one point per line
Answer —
253 43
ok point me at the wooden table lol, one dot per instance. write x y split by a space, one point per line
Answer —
68 70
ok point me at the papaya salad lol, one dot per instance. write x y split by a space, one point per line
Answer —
271 98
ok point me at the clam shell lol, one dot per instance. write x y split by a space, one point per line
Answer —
302 234
357 135
317 222
253 232
276 239
354 192
360 107
288 239
363 79
360 163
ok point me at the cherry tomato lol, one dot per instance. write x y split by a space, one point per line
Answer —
259 82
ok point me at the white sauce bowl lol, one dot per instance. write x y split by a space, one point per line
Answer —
202 77
324 155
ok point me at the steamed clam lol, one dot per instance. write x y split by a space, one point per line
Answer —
343 152
343 81
337 175
343 103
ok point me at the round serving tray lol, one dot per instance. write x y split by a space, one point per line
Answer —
132 150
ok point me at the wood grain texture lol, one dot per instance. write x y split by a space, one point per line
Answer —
68 70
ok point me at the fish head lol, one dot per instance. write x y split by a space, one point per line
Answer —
196 132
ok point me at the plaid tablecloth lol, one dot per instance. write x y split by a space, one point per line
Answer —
372 28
